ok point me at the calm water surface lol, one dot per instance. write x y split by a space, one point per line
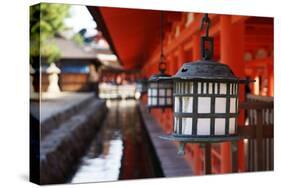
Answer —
120 150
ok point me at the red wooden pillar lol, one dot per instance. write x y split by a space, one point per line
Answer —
232 51
181 57
270 78
196 49
196 147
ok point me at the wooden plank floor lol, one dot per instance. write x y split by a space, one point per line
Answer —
172 164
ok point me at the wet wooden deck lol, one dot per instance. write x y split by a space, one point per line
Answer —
172 164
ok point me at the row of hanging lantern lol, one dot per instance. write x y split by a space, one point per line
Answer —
160 92
204 99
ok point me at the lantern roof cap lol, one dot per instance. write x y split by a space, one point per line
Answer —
161 75
205 70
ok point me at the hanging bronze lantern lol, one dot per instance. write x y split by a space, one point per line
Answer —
205 99
160 91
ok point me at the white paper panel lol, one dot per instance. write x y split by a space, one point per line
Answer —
187 126
187 104
169 92
232 105
210 88
161 101
222 88
231 125
205 88
220 105
149 100
149 92
154 92
169 100
177 104
204 104
154 101
203 126
216 88
161 92
219 126
199 88
176 124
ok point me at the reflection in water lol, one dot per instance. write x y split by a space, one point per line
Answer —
120 150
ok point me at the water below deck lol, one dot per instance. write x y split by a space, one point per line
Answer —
121 150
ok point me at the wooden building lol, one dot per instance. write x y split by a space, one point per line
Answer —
245 43
76 64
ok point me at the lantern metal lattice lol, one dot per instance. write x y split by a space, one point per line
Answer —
160 91
205 99
205 102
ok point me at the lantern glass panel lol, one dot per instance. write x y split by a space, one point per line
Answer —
187 126
210 88
204 104
169 101
216 88
154 92
187 104
232 105
220 105
162 101
219 126
177 104
176 127
154 101
232 125
162 92
205 88
169 92
149 92
199 87
203 126
222 88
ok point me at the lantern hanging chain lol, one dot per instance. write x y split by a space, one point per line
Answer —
162 63
206 20
207 43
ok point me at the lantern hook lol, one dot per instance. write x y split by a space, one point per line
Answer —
206 21
207 43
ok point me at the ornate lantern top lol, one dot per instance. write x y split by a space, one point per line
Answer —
205 69
159 76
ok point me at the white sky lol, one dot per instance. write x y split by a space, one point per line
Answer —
81 18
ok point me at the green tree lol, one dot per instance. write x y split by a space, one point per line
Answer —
78 39
46 20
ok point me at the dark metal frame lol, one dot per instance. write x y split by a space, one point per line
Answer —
212 115
168 85
156 79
